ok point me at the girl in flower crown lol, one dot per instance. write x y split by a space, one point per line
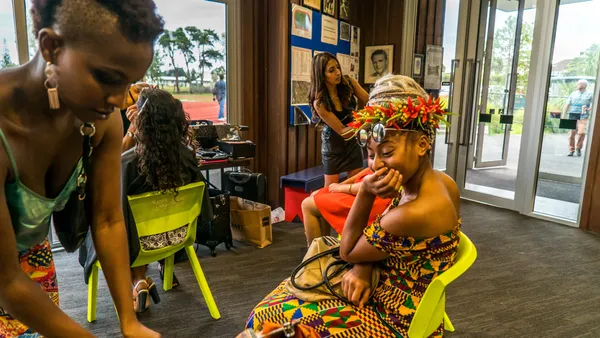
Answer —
414 241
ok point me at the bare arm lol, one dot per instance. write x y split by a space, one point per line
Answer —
359 91
354 247
22 297
108 225
331 120
348 188
355 177
127 143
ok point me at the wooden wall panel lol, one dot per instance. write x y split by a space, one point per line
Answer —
311 149
302 147
590 206
396 20
439 22
430 26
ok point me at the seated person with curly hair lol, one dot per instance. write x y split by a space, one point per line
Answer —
162 160
413 241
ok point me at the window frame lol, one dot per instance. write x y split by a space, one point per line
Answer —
20 19
232 76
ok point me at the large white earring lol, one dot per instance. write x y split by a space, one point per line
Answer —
52 86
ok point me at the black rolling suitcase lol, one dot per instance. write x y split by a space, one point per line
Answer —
246 184
217 231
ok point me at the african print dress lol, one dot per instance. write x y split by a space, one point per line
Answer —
38 264
411 266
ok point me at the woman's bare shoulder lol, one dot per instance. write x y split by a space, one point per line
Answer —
433 212
10 93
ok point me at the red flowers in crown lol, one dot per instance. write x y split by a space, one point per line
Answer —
402 114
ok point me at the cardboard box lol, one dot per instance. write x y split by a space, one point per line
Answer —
251 222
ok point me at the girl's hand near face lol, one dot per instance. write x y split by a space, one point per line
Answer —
132 112
384 183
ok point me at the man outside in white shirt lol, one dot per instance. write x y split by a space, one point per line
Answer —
578 108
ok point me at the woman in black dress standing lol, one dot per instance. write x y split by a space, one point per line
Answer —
333 99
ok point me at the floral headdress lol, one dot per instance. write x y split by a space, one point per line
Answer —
400 114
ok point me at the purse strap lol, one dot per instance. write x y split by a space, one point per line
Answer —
326 276
87 130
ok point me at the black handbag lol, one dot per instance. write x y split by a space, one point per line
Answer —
72 223
218 230
246 184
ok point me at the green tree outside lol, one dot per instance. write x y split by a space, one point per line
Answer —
6 60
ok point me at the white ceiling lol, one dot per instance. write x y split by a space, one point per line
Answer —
513 5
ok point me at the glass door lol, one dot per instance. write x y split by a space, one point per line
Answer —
495 110
492 98
570 106
523 96
442 141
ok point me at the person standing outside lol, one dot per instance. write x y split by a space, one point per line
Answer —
219 94
578 108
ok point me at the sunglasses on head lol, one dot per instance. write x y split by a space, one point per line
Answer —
377 132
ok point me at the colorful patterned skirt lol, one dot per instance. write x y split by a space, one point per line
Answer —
332 318
38 264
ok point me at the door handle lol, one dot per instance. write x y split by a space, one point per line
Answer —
464 118
475 102
453 64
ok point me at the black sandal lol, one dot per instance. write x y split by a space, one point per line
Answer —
140 296
152 290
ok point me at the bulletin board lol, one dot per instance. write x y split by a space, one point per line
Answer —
300 112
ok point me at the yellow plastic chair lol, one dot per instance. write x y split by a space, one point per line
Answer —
432 308
156 213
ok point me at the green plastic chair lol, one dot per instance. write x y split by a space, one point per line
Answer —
432 308
156 213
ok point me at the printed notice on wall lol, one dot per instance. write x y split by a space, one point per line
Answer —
301 68
348 64
355 42
329 30
345 63
301 63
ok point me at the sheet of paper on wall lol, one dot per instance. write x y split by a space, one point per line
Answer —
433 67
301 69
345 63
317 52
354 67
329 30
301 63
355 42
302 22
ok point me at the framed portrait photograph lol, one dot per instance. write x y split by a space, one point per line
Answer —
418 66
379 61
314 4
344 11
330 7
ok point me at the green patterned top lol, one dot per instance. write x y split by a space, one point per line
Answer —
30 212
